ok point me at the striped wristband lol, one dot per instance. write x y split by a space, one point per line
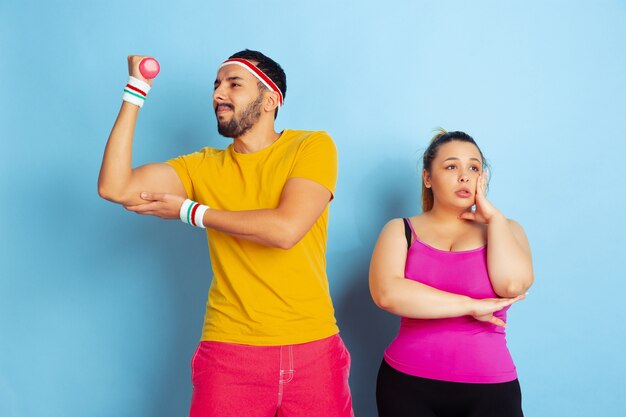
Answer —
135 91
192 213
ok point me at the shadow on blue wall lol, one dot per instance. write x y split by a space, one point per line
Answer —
174 319
366 329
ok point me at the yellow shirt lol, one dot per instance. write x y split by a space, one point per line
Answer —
262 295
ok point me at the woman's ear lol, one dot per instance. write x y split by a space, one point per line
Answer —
426 178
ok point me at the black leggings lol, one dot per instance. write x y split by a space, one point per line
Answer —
402 395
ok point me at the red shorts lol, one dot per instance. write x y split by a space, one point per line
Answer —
308 379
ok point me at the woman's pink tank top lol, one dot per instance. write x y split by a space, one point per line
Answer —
459 349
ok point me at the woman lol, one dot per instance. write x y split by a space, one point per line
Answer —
450 273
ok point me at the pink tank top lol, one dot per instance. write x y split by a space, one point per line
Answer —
458 349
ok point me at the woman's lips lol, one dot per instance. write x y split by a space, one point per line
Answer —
463 193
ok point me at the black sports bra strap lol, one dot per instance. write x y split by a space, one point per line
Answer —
408 231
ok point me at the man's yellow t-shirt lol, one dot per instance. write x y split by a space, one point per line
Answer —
262 295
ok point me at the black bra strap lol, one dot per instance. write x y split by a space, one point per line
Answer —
407 233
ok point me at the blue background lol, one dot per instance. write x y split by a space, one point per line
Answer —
101 310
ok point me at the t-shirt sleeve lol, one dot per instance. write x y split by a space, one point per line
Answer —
317 161
182 165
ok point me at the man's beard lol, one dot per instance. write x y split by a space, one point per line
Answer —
238 125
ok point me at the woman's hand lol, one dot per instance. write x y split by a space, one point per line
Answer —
165 206
485 211
482 310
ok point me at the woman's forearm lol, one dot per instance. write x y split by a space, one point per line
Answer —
408 298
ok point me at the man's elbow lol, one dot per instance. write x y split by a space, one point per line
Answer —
105 193
282 244
108 194
287 240
286 236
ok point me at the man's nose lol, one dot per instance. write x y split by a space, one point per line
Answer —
218 94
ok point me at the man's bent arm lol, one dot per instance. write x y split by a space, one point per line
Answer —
302 202
118 181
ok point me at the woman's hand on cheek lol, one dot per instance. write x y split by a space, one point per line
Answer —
484 211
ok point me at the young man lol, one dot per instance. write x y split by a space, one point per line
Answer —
270 344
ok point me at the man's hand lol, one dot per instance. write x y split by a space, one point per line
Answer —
165 206
133 68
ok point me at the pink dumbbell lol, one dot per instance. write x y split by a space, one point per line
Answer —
149 68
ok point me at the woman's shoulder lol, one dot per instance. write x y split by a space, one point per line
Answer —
514 223
517 229
395 226
394 223
418 219
400 220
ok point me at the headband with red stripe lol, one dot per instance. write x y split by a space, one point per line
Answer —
260 75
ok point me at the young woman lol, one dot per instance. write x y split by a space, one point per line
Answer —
450 273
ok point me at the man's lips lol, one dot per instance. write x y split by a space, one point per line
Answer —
223 108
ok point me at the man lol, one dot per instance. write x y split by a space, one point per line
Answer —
270 343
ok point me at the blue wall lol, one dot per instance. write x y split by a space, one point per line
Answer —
100 309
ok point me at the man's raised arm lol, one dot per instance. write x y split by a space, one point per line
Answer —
118 181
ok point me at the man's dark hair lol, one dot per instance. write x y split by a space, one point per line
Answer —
269 67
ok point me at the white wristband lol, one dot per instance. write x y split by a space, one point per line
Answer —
199 217
135 91
193 213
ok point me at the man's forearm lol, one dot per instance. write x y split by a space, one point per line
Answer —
302 202
269 227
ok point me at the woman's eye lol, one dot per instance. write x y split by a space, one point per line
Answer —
476 169
451 167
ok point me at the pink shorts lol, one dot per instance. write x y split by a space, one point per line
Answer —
309 379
